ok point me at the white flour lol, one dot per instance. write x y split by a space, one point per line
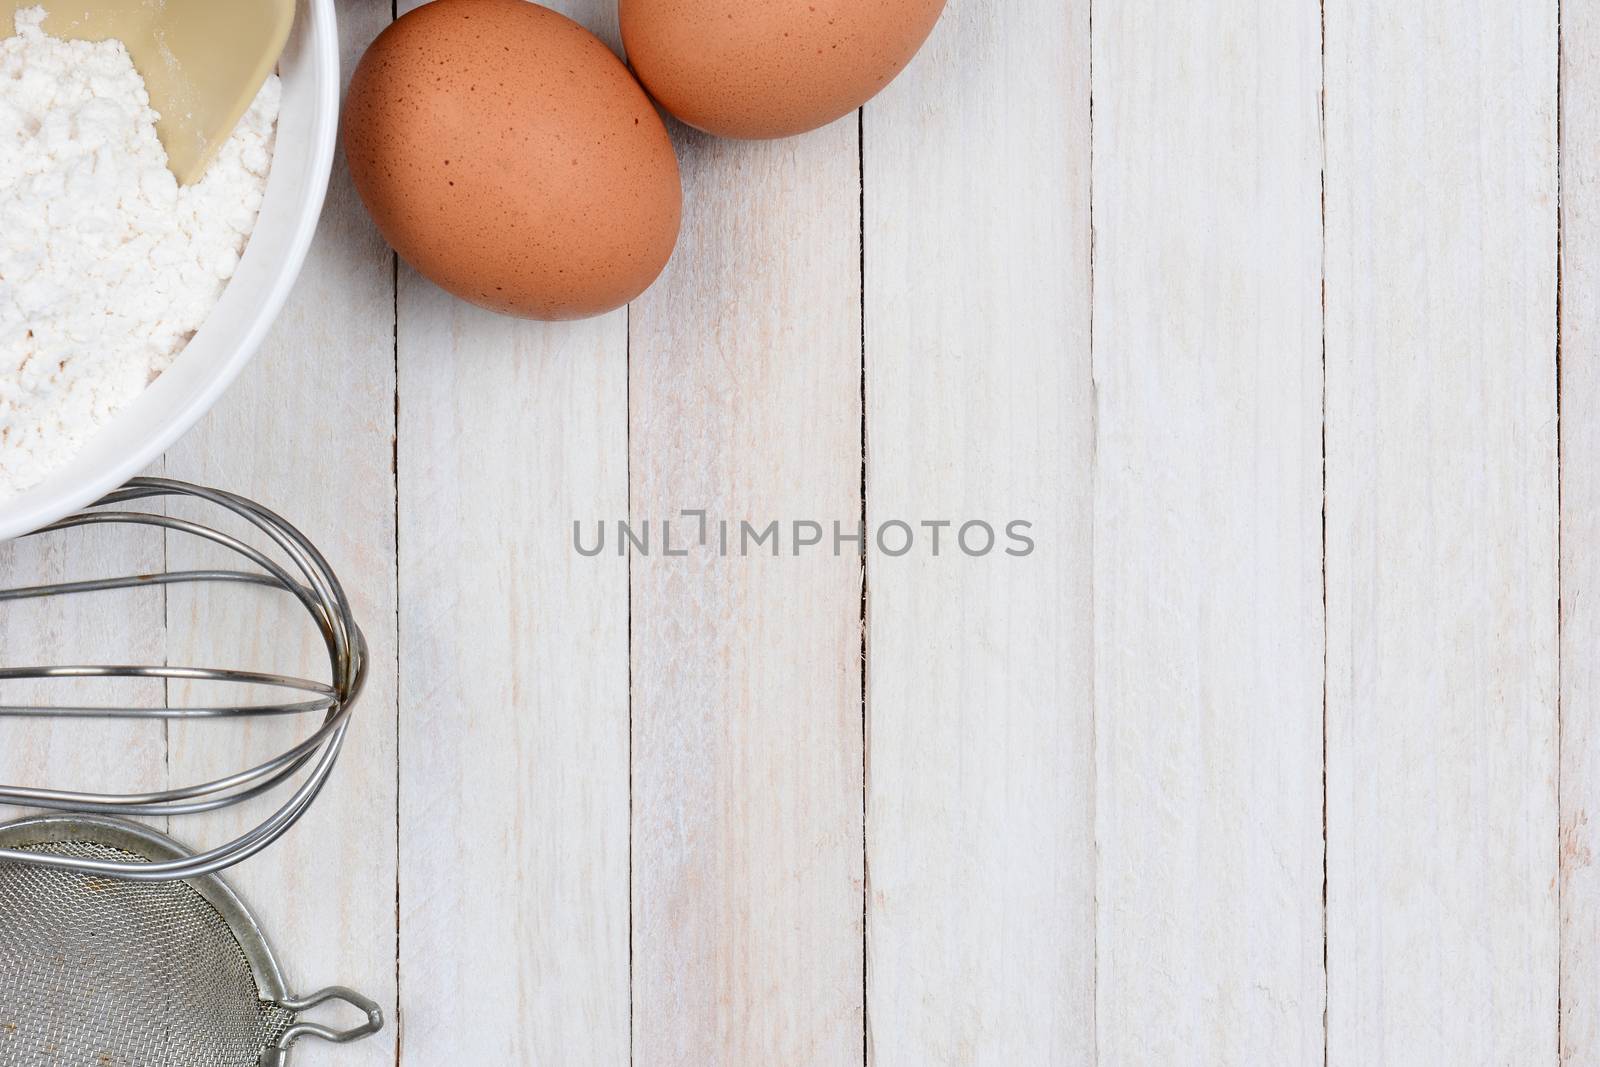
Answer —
107 267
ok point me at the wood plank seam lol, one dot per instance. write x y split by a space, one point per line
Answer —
1560 886
1094 601
1322 297
399 677
866 660
627 468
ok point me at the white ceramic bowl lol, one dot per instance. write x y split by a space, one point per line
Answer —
308 125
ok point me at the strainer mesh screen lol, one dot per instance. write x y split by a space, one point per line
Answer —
102 973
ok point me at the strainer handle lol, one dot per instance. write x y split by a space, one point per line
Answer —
277 1055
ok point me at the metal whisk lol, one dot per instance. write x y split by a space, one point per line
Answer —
304 574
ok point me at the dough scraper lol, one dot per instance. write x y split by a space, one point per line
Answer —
203 61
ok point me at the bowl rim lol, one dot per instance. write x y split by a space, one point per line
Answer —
323 54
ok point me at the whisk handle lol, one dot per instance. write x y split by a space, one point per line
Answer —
278 1055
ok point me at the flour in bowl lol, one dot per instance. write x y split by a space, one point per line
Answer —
107 266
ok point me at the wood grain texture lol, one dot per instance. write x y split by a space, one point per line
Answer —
308 430
1207 544
980 764
1580 533
514 682
1442 533
514 688
745 384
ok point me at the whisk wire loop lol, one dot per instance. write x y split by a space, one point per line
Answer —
300 771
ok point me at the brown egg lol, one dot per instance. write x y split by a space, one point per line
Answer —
770 68
510 157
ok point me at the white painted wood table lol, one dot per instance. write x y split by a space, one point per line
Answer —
1278 324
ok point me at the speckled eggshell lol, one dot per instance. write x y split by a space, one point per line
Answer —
770 68
510 157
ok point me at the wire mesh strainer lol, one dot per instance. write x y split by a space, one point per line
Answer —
116 973
294 567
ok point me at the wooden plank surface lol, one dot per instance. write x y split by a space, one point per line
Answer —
980 765
1442 527
1580 533
308 430
514 688
744 401
1207 585
1070 809
514 682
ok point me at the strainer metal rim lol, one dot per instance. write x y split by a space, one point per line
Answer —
142 840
